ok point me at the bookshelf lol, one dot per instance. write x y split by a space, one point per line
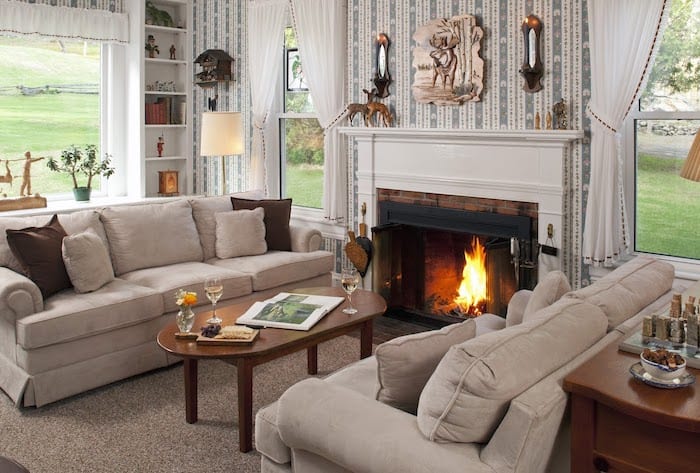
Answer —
166 94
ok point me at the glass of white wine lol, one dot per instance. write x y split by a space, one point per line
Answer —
350 279
213 288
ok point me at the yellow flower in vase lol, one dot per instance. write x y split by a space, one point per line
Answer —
185 299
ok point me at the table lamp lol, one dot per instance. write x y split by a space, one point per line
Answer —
222 135
691 168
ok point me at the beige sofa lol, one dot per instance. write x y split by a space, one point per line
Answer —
71 342
494 403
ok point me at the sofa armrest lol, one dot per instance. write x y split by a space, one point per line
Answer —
516 307
19 296
525 438
305 239
363 435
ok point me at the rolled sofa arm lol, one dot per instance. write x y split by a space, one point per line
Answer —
305 239
19 296
361 434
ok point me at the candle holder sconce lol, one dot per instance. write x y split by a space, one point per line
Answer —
382 78
532 69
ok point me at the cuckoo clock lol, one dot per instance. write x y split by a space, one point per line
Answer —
216 67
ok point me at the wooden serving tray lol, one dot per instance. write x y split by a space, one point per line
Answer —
227 341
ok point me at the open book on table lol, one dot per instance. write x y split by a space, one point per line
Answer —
287 310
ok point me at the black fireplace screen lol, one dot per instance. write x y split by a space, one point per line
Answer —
424 255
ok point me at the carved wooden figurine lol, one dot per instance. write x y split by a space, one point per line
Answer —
26 175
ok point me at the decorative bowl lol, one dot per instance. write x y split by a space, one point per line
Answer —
661 370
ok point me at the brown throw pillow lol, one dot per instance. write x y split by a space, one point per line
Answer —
277 213
38 250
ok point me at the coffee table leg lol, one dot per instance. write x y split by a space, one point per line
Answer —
366 334
245 405
312 359
190 369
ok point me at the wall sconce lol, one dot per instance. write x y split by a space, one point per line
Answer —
382 78
532 69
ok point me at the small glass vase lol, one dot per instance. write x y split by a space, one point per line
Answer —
185 319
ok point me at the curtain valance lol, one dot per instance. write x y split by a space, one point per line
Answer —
63 21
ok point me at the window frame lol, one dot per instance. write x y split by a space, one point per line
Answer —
686 268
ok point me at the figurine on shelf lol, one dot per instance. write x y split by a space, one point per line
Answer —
559 110
160 146
172 52
537 121
26 188
548 120
152 47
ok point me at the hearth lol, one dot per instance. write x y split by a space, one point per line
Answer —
447 264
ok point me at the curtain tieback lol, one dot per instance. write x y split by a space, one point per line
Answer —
600 118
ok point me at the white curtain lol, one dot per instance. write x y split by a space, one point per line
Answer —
321 32
63 22
266 21
623 35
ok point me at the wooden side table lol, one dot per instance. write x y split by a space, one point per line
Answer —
619 424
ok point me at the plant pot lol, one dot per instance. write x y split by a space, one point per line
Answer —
82 194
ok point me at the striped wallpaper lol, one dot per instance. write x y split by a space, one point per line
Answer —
504 104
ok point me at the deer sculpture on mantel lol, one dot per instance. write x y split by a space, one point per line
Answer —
369 110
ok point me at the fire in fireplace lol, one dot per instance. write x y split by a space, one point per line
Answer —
447 264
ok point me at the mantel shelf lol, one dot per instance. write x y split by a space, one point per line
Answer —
450 135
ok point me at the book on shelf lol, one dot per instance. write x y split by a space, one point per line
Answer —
289 310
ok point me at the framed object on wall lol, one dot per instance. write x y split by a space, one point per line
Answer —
296 82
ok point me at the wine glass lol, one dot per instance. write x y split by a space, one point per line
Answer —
213 288
350 279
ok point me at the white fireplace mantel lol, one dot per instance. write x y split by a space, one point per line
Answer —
517 165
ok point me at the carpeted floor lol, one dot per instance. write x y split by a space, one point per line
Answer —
138 425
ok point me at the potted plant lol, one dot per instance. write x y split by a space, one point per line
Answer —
75 160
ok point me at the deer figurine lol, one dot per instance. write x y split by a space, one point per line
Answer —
354 108
374 108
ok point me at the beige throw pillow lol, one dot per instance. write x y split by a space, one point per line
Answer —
469 392
87 261
240 233
549 290
406 363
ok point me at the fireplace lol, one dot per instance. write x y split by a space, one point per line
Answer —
450 263
525 168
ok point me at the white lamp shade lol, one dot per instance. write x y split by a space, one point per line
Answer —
222 134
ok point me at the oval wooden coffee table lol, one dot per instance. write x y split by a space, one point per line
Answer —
270 344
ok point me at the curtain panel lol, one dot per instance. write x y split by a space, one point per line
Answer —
320 27
264 68
623 36
90 24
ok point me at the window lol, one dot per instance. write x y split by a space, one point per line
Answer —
49 99
301 136
660 131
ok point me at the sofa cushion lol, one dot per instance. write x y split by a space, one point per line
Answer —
204 210
189 276
70 316
468 394
549 290
145 236
87 261
406 363
72 223
627 290
38 250
240 233
277 214
276 268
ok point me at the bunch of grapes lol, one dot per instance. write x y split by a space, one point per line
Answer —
211 330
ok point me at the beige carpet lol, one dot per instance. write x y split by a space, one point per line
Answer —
138 425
